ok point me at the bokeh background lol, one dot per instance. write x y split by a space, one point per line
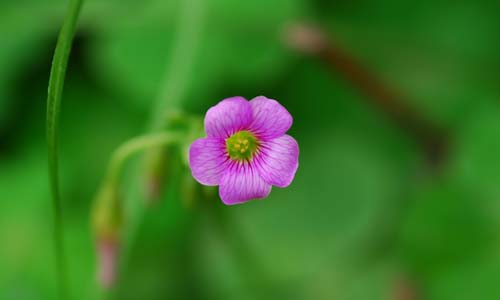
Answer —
367 216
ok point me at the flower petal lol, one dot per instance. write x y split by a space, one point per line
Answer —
270 119
208 160
227 117
242 183
278 160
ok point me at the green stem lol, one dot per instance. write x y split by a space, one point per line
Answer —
180 67
56 84
107 214
175 82
135 145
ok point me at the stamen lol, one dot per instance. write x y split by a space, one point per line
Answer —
242 145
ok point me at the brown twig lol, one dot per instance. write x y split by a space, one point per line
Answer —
406 288
430 137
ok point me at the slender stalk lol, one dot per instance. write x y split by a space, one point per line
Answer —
56 84
178 71
175 82
432 139
136 145
107 214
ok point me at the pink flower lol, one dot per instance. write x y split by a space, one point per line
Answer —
246 150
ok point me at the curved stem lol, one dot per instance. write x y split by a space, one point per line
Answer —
107 215
175 81
56 84
182 60
134 146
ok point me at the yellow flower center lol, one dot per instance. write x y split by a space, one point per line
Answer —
242 145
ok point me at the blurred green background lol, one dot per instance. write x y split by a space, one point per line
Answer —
365 218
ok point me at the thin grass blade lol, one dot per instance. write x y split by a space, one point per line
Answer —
56 84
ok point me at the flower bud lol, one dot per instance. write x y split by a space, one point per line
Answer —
189 190
107 222
305 38
155 173
107 254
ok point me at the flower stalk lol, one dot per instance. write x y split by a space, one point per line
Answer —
54 96
107 215
158 160
313 41
136 145
176 79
